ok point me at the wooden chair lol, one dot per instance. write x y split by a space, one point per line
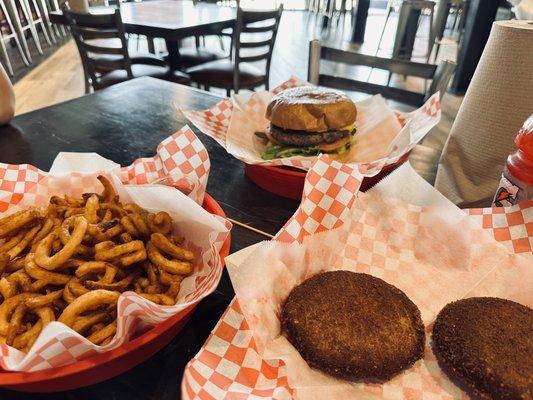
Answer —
106 64
440 75
239 73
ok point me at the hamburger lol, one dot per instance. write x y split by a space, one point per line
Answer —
307 121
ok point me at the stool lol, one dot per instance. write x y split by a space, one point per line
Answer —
39 18
18 9
441 17
45 16
405 35
6 38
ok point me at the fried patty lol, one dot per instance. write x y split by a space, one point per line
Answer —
289 137
485 345
353 326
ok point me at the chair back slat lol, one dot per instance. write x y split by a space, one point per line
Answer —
403 96
402 67
101 50
92 33
249 17
258 29
97 21
253 45
440 75
247 23
254 58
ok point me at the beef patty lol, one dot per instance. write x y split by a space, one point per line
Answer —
303 139
485 345
353 326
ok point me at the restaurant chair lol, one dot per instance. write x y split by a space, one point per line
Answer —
238 73
440 75
105 64
200 54
7 37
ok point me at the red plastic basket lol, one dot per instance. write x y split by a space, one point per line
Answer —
114 362
289 182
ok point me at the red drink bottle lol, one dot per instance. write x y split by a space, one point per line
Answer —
516 184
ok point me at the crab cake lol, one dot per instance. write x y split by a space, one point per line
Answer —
353 326
485 346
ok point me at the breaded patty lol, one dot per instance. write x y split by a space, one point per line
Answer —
353 326
485 346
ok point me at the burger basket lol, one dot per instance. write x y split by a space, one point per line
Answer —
285 177
485 252
182 162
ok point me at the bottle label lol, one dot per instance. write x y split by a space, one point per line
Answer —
511 191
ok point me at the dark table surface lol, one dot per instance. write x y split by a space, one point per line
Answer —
169 19
123 123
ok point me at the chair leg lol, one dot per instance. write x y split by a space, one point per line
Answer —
14 32
389 10
437 48
40 20
430 42
87 84
17 28
46 20
5 57
228 92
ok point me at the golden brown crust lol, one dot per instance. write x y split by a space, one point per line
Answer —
311 109
354 326
485 346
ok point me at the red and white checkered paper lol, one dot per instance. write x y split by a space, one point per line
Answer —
182 161
239 360
383 135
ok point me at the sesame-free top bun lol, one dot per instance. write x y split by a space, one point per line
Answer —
311 109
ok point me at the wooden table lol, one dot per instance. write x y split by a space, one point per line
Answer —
123 123
171 20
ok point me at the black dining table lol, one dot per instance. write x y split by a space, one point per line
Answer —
172 20
123 123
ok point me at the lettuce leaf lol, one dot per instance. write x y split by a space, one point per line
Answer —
274 151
